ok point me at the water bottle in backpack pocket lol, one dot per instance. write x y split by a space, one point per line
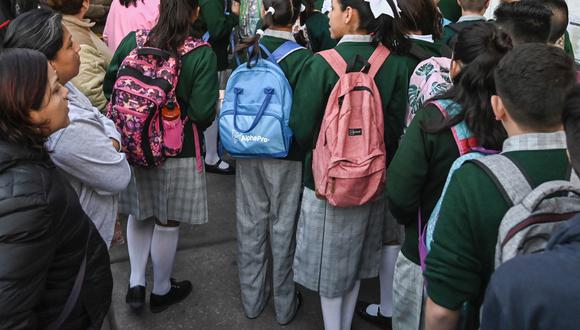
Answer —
143 91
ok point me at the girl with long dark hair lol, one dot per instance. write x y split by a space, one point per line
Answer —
337 247
430 147
158 199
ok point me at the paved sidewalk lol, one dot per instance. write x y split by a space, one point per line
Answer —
207 257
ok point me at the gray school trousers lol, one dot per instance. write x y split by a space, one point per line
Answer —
268 194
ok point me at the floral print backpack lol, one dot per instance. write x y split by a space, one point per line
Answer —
430 78
146 82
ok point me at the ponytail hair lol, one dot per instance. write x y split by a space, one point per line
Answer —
286 12
384 29
571 120
479 47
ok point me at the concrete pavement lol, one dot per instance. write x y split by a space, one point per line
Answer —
207 257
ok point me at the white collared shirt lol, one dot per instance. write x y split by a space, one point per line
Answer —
279 34
356 38
427 37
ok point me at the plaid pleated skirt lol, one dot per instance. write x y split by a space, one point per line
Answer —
335 247
173 191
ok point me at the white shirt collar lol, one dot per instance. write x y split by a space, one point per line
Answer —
279 34
356 38
471 17
427 37
535 141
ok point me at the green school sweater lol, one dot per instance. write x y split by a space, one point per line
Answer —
219 26
449 33
318 33
292 66
197 89
462 254
568 45
450 9
417 174
317 81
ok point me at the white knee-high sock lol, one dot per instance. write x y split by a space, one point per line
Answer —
163 248
348 304
331 310
386 273
139 235
211 138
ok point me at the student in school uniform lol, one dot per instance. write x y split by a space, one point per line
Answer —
159 199
553 303
471 12
316 27
337 247
533 85
218 18
268 191
420 21
419 170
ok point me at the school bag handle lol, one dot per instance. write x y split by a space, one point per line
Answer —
339 65
268 91
546 189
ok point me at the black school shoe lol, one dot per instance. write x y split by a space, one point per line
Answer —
215 168
178 292
135 297
380 320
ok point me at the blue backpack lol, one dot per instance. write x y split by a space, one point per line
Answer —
253 122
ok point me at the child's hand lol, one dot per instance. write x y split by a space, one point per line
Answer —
236 8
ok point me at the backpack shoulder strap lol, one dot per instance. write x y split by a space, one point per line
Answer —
463 137
141 37
378 57
418 52
336 62
507 175
284 50
191 44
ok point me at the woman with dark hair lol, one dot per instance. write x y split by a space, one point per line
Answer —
94 54
337 247
158 199
429 145
55 267
88 150
126 16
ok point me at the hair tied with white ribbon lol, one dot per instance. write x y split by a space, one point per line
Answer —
271 10
302 7
260 32
379 7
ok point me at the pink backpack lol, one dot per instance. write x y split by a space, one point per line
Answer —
349 161
146 82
